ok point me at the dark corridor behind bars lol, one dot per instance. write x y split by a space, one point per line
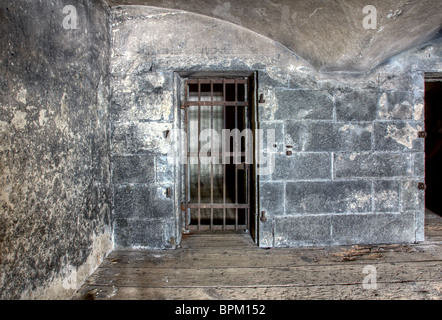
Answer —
217 180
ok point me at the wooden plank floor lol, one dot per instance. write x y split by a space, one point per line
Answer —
230 266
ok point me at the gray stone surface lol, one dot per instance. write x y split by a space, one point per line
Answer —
303 231
278 128
55 198
72 99
303 104
140 138
419 226
387 196
272 198
132 233
302 166
412 198
398 136
340 40
373 228
328 197
266 233
318 136
419 164
142 202
144 96
395 105
367 164
357 105
133 169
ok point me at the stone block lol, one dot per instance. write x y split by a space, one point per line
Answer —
140 138
382 228
396 105
134 106
302 231
419 105
271 197
133 169
142 202
398 136
132 233
323 136
386 196
302 166
412 198
418 163
267 144
395 81
367 164
419 218
164 170
356 105
328 197
272 81
266 239
303 104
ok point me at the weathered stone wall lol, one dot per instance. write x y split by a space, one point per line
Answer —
356 156
55 224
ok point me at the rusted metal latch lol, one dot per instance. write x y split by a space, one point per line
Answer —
263 217
422 134
421 186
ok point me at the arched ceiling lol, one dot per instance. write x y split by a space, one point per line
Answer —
328 33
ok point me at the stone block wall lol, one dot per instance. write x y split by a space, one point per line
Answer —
356 159
353 173
141 118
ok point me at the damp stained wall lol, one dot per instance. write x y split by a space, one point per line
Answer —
55 198
84 117
356 157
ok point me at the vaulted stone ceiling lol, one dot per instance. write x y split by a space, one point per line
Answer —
329 34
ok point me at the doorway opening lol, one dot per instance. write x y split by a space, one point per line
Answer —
219 172
433 142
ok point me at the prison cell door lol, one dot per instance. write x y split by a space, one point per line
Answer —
219 140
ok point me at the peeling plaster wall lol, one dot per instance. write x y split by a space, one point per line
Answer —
329 34
356 158
55 224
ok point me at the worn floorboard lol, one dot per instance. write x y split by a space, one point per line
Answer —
230 266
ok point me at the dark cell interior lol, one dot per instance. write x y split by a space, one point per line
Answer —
222 181
433 146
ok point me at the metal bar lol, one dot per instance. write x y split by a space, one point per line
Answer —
247 172
216 81
217 205
218 227
217 103
236 150
211 152
199 162
216 154
223 159
186 175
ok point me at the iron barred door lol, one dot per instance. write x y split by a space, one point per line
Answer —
219 154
